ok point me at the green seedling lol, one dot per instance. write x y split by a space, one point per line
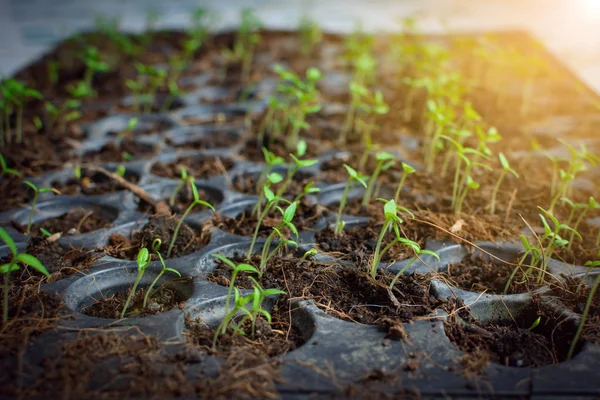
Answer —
359 53
45 233
235 270
245 42
531 251
184 180
259 296
440 115
470 184
194 203
407 170
92 59
535 323
586 309
505 170
310 35
61 116
36 192
309 188
384 162
149 80
13 265
392 223
127 132
364 107
414 246
354 176
120 171
309 254
143 260
110 28
239 305
81 90
298 164
156 243
13 96
591 205
286 222
271 161
270 199
7 171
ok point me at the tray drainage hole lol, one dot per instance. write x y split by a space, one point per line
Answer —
165 295
525 341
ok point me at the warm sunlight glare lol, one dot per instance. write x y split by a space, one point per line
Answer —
592 7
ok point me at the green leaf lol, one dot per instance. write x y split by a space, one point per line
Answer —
9 241
288 215
301 148
8 268
431 253
351 171
33 262
224 260
383 156
246 268
269 195
274 177
173 271
389 209
266 314
408 169
204 203
142 258
31 185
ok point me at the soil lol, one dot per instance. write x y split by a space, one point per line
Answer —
76 221
476 273
513 343
199 168
91 183
348 293
162 299
14 193
127 151
357 244
146 128
253 152
182 201
246 183
306 217
160 227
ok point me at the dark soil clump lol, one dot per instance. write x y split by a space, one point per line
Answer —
477 273
159 227
199 168
348 293
357 244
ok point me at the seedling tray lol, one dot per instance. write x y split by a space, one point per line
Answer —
423 352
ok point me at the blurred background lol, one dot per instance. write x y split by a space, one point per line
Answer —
568 28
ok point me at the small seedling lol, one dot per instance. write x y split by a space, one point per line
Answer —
194 203
184 180
156 243
14 95
120 171
392 223
505 170
235 270
310 35
354 177
7 171
93 64
143 260
45 232
13 265
535 323
586 309
126 133
384 162
309 254
245 42
36 193
298 164
309 188
530 251
286 221
407 169
591 204
271 201
271 161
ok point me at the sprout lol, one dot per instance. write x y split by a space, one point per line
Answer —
246 40
184 180
120 171
530 251
505 170
194 203
354 176
301 149
67 112
126 133
149 79
236 269
36 193
309 188
271 161
156 243
586 309
363 103
535 323
310 35
392 222
13 95
310 253
5 170
271 201
13 265
93 63
286 221
143 260
384 162
591 204
407 169
470 184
